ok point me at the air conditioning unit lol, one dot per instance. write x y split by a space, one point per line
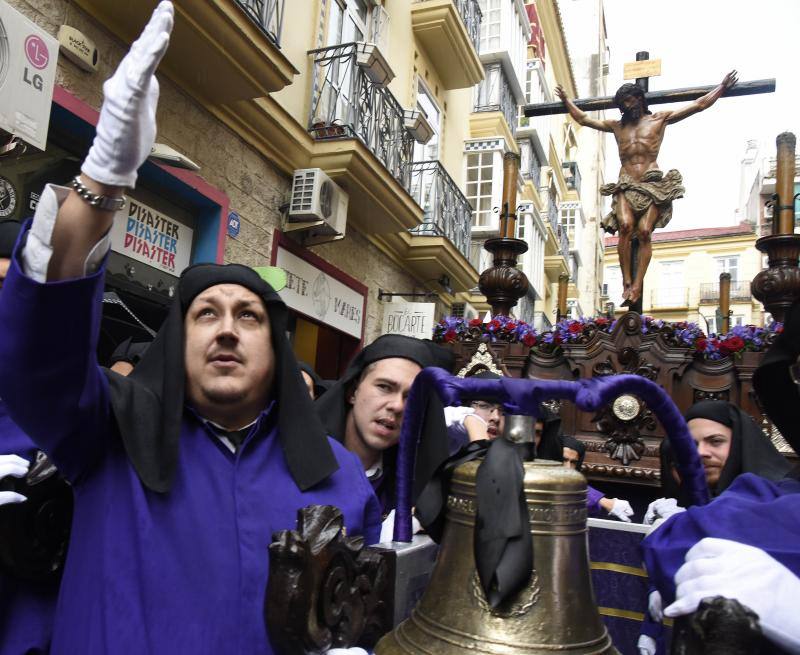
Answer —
318 207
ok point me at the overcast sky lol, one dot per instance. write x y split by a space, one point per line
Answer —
698 42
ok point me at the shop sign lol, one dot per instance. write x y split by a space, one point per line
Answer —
234 223
412 319
28 57
311 291
149 236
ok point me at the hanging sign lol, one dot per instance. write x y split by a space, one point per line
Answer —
28 57
412 319
147 235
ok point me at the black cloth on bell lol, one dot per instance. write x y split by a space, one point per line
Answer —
333 407
148 405
750 451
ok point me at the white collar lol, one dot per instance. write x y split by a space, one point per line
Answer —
376 470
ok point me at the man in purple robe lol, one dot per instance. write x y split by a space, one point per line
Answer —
745 544
184 469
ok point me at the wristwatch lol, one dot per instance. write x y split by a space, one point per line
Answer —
105 203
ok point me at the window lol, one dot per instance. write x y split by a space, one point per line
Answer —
479 187
569 216
490 25
670 291
728 265
521 221
427 105
348 21
613 284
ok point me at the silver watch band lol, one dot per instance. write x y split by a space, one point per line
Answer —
104 203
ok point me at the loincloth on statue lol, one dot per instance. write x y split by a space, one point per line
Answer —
654 188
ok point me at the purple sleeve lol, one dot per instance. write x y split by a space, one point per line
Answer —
49 377
593 497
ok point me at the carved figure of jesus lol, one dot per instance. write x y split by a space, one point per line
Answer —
642 196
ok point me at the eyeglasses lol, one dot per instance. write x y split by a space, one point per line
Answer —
483 406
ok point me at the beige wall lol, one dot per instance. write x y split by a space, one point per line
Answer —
256 190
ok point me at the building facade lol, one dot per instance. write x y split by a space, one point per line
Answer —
682 281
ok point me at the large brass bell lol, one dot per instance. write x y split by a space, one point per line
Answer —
557 610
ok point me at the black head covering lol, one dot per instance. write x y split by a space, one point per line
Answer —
442 357
751 451
332 408
777 392
577 445
320 385
129 351
550 444
148 404
9 231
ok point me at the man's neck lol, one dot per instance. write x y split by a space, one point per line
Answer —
355 444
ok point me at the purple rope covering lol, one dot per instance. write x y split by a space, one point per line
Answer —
523 397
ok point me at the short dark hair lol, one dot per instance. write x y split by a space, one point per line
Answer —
629 89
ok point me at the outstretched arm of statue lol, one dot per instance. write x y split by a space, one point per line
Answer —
704 102
580 116
125 134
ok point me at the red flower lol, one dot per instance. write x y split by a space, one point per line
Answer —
700 344
475 322
556 339
493 324
511 326
450 335
529 340
600 321
779 329
731 345
574 328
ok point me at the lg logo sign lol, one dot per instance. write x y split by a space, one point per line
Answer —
38 56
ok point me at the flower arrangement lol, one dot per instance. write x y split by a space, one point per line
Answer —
741 338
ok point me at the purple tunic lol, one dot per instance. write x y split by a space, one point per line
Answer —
593 497
181 572
26 610
752 511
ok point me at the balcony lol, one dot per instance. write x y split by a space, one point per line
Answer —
530 164
361 140
447 211
494 94
572 176
220 50
448 31
669 298
740 291
563 241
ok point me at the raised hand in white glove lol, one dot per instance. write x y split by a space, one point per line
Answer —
654 606
127 125
662 508
719 567
16 467
646 645
621 509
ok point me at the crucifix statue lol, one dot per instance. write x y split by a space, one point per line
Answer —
642 196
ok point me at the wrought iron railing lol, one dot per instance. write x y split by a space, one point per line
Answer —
529 166
345 103
563 241
493 93
447 210
572 175
669 297
470 12
740 290
267 14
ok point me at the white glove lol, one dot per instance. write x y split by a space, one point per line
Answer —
719 567
654 606
646 645
662 508
355 650
387 527
16 467
126 129
622 510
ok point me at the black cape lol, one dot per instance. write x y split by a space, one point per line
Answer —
751 451
332 408
148 405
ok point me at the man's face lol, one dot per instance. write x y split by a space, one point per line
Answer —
229 355
713 442
4 264
494 416
571 457
379 400
632 108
